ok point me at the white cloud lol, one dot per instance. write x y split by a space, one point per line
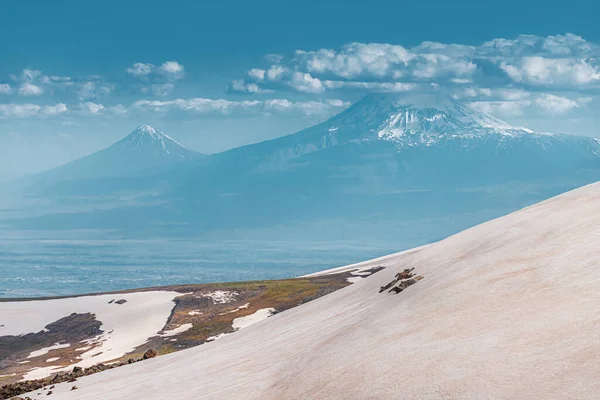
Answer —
91 107
356 59
227 107
240 86
172 67
562 61
19 110
5 88
29 89
140 69
429 66
547 71
275 72
31 110
169 70
56 109
568 45
257 74
372 86
555 104
305 82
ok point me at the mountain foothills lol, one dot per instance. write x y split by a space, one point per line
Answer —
417 160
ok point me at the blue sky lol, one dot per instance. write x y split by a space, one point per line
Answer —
76 76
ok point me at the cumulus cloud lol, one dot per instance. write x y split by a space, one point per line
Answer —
31 110
172 68
169 70
526 63
56 109
305 82
140 69
227 107
371 86
546 71
555 104
240 86
29 89
257 74
5 88
356 59
91 107
517 103
568 45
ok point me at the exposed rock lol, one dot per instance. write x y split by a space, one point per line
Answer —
402 280
149 354
122 301
74 388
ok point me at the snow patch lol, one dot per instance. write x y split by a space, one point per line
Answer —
220 296
45 350
124 328
259 315
237 309
176 331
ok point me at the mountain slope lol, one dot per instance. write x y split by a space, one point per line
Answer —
144 149
428 163
506 310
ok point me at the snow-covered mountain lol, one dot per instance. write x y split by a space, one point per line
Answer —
421 121
387 157
144 150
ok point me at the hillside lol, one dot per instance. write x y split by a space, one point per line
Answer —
505 310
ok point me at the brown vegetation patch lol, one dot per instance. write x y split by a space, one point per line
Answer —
208 318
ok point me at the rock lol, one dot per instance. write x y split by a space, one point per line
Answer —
52 387
149 354
74 388
49 393
122 301
77 370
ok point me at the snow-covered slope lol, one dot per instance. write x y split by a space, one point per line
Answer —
150 142
506 310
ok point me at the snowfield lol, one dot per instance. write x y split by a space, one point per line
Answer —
507 310
125 326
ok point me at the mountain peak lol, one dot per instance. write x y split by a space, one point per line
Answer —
145 136
147 130
416 119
